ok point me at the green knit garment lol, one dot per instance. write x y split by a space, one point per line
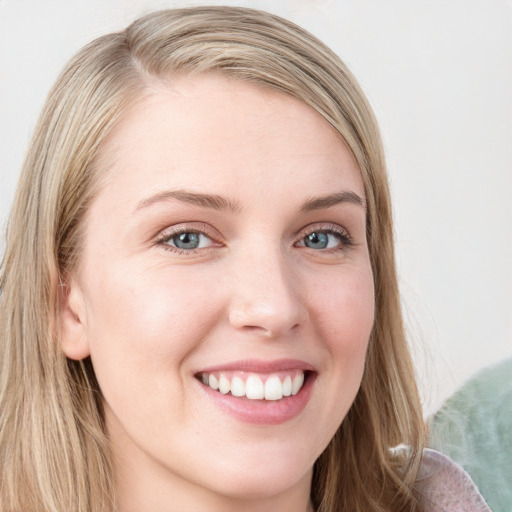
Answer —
474 428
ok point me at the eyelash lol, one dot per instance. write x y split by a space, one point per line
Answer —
168 235
345 240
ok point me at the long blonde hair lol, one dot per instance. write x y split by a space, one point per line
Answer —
54 453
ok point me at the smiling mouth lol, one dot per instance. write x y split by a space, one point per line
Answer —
255 386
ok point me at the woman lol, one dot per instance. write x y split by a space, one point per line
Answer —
199 300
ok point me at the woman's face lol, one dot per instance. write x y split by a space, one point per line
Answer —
226 247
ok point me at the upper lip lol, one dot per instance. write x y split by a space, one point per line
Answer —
260 366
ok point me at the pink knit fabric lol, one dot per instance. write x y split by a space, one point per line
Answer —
443 486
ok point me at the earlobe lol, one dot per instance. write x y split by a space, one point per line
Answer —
72 321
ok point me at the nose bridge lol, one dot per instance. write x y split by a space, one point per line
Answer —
265 295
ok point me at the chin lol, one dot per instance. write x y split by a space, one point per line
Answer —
256 486
263 475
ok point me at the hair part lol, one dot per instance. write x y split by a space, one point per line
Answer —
53 443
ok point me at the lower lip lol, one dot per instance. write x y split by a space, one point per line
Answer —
263 412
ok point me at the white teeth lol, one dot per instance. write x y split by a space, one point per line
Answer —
287 386
273 389
237 387
212 382
298 381
224 385
254 388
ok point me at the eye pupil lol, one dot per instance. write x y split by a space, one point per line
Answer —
186 240
316 240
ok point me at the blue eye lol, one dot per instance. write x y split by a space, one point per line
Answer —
324 239
188 241
317 240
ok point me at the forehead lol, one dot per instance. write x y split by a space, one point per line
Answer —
205 132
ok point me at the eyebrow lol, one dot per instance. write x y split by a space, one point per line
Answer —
319 203
212 201
217 202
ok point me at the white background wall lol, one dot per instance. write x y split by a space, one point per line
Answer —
439 75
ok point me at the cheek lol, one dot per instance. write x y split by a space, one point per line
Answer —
154 305
144 324
345 313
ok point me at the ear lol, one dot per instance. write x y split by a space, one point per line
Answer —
71 323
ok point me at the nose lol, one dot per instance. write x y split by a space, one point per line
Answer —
266 298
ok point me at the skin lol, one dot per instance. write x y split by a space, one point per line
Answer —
151 317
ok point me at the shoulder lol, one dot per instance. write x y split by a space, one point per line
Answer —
443 486
473 427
